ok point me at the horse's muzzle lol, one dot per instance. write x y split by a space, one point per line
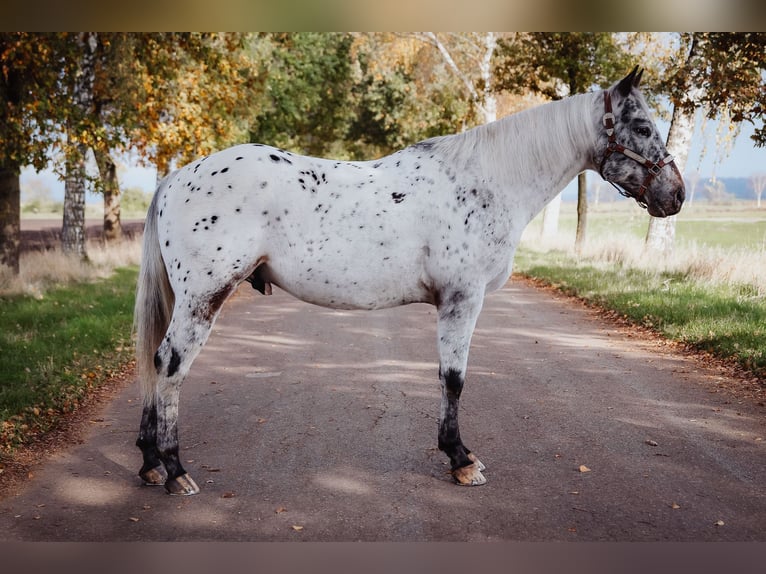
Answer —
669 207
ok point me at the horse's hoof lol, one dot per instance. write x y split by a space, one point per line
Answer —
182 485
154 476
476 461
469 475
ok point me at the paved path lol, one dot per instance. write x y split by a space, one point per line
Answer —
301 423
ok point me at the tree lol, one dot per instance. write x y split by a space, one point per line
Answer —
195 95
469 56
403 93
558 65
172 96
757 183
29 109
354 96
309 83
692 181
81 73
722 73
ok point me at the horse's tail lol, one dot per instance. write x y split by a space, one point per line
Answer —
154 304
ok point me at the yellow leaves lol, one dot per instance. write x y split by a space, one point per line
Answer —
583 469
297 528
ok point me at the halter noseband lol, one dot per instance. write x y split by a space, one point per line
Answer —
653 168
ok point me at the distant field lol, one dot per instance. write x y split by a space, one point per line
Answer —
736 225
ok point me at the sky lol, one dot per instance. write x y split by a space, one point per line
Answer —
743 160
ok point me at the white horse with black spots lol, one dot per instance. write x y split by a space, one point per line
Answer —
437 222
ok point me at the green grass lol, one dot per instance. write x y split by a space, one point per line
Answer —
727 320
56 347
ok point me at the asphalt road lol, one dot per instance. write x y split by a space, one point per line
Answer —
301 423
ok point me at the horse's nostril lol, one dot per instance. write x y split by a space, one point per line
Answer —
680 195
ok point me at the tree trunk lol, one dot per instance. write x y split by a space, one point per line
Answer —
73 229
111 188
582 211
10 218
551 217
661 235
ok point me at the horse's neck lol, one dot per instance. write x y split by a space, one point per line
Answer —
535 153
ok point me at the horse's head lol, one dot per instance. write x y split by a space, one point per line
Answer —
631 153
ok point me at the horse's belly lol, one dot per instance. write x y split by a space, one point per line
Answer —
369 286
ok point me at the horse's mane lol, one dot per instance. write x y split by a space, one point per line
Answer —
532 140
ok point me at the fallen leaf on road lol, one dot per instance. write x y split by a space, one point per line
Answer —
280 510
133 519
227 495
297 528
651 443
584 468
720 523
674 506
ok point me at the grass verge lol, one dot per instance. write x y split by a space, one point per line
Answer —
728 320
56 347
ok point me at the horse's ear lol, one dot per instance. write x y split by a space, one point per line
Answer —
630 81
637 79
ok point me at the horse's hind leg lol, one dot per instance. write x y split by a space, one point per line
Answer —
458 311
187 333
153 471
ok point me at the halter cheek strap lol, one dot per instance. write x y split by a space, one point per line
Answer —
653 168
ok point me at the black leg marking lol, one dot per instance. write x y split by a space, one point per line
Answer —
449 430
152 470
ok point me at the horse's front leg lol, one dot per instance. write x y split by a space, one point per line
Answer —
458 311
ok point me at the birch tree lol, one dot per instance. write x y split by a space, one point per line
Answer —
757 183
470 57
722 74
81 94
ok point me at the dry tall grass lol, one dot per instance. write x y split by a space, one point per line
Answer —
40 271
699 263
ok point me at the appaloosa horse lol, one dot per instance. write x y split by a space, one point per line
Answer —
437 222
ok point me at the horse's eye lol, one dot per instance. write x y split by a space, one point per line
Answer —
642 131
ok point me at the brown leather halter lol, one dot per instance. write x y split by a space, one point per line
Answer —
653 168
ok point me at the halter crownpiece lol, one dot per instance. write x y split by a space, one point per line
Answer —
653 168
